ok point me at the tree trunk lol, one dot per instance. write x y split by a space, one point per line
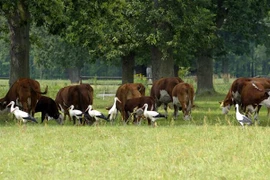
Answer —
205 75
225 69
161 67
19 26
128 63
74 74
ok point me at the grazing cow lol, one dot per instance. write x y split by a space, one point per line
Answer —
161 91
26 91
253 96
183 96
125 92
249 93
78 95
234 95
135 104
48 109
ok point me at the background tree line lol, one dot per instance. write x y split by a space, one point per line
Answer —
209 36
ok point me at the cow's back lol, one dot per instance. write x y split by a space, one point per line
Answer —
128 91
184 92
78 95
139 102
234 93
164 87
253 93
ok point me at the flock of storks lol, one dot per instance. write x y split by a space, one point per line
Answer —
24 117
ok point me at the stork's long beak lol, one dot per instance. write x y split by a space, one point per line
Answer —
8 104
118 100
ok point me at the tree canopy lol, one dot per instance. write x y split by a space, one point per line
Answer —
164 34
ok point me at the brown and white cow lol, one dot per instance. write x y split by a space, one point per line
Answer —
133 105
78 95
128 91
254 94
183 96
48 109
249 93
234 94
161 91
26 92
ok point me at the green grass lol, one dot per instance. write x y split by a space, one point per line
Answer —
210 146
132 152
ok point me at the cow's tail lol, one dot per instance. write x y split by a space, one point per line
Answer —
46 90
40 92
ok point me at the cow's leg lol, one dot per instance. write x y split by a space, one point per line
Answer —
175 113
257 113
74 120
32 105
149 122
123 114
165 107
127 116
136 119
80 121
42 116
25 107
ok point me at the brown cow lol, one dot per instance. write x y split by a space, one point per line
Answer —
78 95
135 103
161 91
249 93
183 96
128 91
24 91
234 94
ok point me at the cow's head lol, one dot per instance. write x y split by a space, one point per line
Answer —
186 109
58 118
225 107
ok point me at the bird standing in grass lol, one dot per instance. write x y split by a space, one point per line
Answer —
152 115
20 115
95 114
75 114
242 119
113 111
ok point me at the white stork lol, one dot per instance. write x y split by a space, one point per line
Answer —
152 115
75 114
20 115
113 111
95 114
242 119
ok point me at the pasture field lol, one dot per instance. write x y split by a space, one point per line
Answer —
210 146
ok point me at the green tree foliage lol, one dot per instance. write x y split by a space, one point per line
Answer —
20 14
175 32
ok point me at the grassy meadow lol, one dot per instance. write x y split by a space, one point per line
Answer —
210 146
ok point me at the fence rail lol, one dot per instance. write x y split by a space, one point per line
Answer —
4 77
102 77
